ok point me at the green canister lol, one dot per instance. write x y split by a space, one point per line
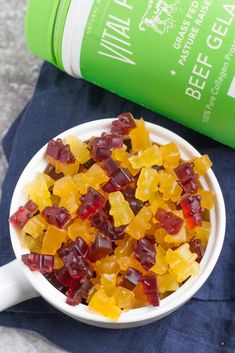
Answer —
175 57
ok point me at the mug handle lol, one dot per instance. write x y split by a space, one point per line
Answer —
14 286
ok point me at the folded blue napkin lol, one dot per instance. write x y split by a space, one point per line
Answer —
207 322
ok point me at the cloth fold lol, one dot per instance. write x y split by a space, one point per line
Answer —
207 322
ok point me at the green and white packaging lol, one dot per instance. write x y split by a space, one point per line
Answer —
175 57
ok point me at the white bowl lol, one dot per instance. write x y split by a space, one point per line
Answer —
145 315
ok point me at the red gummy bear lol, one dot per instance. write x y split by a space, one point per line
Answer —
124 124
150 289
131 278
57 216
196 247
92 202
57 150
23 214
187 178
145 252
101 247
169 221
119 177
37 262
101 147
78 290
191 207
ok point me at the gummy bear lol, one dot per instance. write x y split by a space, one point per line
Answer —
151 289
196 247
108 283
78 290
169 186
102 304
124 298
145 253
37 262
207 198
78 248
131 278
57 216
107 265
191 207
135 204
147 184
169 221
147 158
138 226
119 177
203 232
167 283
50 170
60 156
124 247
202 164
62 275
122 157
94 177
171 155
161 266
120 209
53 239
124 124
43 176
35 226
91 203
102 147
82 228
64 187
101 247
187 178
182 262
140 138
79 149
38 192
32 244
23 214
77 265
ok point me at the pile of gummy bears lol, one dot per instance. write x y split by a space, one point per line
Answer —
117 222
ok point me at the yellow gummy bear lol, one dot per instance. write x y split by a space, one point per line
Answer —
94 177
53 239
125 246
64 187
207 198
122 157
156 202
49 181
147 184
167 283
32 244
140 138
182 262
109 265
108 283
124 298
202 164
65 168
104 305
35 226
82 228
147 158
79 149
120 209
38 192
171 155
169 186
161 266
138 226
71 203
203 232
129 261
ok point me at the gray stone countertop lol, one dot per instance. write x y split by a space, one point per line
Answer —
18 74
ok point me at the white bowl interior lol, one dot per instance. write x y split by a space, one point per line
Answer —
144 315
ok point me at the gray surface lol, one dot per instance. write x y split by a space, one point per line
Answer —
18 73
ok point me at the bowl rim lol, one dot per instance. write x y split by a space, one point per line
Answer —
81 312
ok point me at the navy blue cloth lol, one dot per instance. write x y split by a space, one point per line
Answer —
207 322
